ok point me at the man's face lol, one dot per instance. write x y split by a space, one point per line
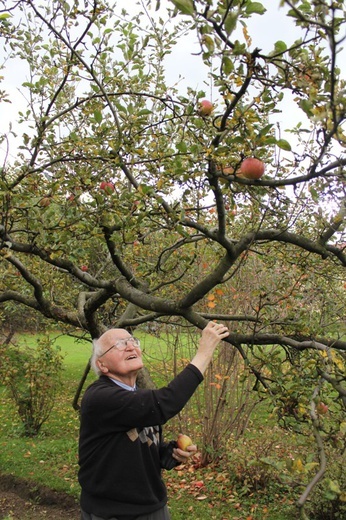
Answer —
124 358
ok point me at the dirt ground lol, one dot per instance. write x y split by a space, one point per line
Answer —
21 500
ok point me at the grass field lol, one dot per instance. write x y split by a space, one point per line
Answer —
239 487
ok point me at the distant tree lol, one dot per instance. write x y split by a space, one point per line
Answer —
125 201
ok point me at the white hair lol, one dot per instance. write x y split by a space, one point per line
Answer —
96 353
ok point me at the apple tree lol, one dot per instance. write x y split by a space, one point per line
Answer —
125 196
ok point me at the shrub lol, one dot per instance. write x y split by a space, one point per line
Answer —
329 500
32 378
249 468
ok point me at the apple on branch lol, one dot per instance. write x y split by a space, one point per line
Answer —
108 187
321 408
252 168
205 108
183 441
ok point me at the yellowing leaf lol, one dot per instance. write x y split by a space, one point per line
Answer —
301 409
298 465
208 42
247 36
334 486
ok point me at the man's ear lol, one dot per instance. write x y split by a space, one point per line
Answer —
102 367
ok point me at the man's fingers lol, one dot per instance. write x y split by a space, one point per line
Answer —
219 328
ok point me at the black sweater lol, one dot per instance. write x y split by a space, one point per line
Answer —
121 450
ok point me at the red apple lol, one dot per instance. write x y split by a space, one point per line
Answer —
108 187
321 408
252 168
205 108
183 441
84 268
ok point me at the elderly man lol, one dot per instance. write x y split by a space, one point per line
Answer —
121 449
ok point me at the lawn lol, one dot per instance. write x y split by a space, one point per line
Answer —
238 487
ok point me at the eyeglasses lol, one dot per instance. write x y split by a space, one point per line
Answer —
121 344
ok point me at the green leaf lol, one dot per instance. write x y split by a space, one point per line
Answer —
98 116
314 194
306 106
272 462
121 108
268 140
239 48
145 42
280 46
265 130
208 42
227 65
334 486
3 16
255 7
145 189
181 147
284 145
184 6
144 112
230 23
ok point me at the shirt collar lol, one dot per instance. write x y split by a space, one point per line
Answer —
123 385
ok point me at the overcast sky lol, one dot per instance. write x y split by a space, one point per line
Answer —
265 30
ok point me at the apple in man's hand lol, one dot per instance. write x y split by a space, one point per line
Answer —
252 168
183 441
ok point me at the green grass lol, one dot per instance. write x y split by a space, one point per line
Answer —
237 488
